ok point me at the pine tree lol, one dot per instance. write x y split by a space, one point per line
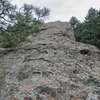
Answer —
7 10
16 25
90 28
74 22
77 27
88 31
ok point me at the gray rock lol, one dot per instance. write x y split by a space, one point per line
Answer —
52 66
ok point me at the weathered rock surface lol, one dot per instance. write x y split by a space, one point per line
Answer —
53 66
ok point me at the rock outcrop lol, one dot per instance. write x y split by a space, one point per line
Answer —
53 66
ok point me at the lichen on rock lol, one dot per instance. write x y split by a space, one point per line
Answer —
53 66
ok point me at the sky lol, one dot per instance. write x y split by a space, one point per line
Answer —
63 10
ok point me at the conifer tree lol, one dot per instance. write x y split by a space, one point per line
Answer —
16 25
88 31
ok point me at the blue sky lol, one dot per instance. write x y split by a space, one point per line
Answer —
63 10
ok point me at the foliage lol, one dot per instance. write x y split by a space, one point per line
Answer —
88 31
74 22
16 25
42 13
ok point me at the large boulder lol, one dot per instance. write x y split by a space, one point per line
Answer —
53 66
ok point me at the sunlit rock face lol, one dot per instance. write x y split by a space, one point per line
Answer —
53 66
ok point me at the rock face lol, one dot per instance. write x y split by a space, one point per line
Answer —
53 66
59 28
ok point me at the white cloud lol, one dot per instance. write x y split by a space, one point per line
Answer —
63 9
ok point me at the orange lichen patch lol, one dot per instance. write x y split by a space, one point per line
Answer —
80 57
12 72
61 78
44 81
28 86
84 89
54 76
17 67
2 90
45 95
54 85
51 98
75 99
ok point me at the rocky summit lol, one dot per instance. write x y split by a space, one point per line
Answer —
52 66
